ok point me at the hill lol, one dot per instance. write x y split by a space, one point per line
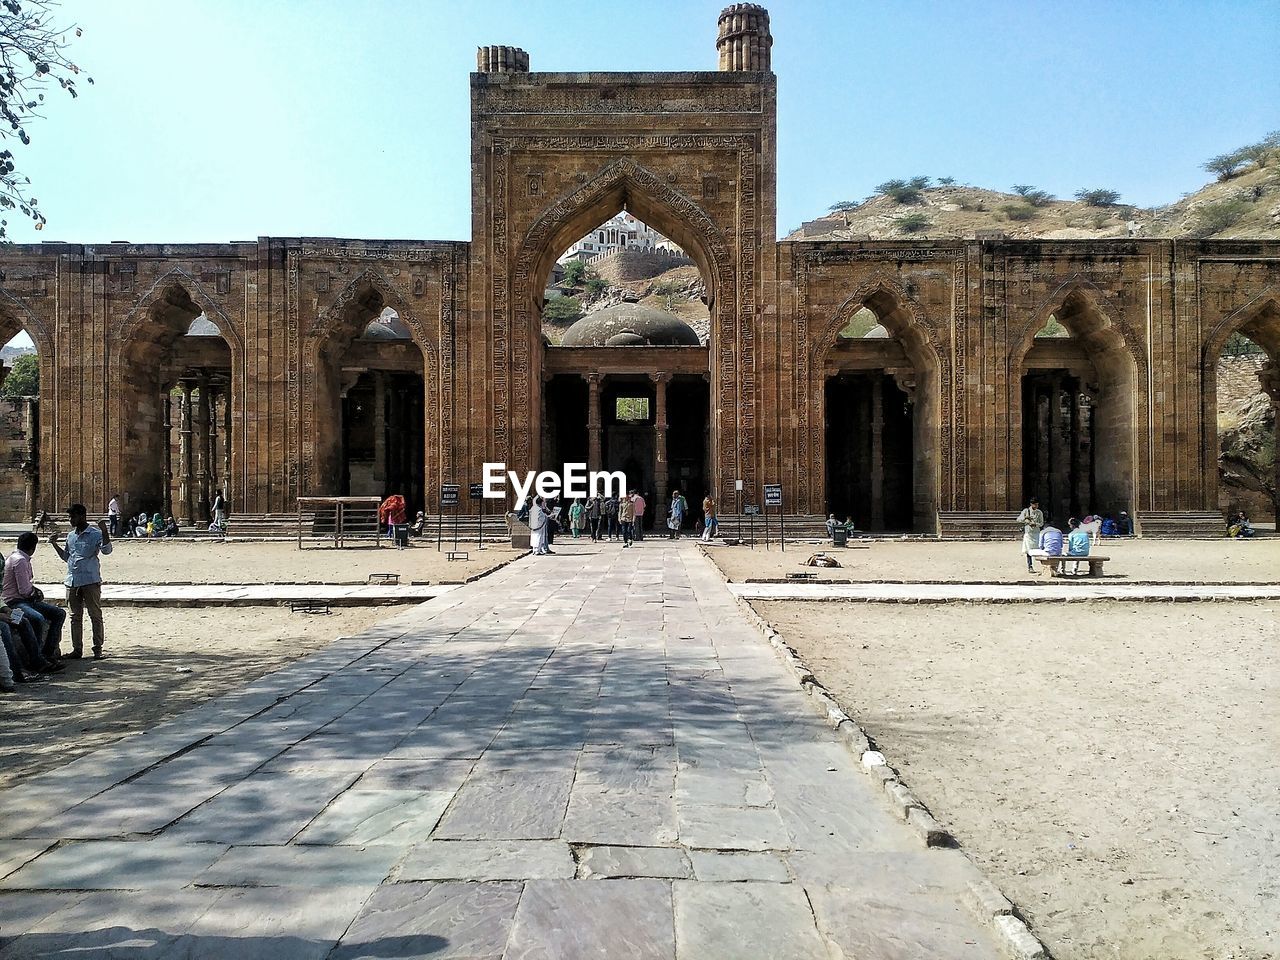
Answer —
1245 206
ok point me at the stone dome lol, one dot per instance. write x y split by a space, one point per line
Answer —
630 325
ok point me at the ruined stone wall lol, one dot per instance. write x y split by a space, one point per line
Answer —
14 451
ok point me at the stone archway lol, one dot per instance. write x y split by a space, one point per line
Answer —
1259 322
177 383
24 493
1102 379
621 185
924 385
336 361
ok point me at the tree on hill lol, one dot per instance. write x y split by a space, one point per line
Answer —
843 205
903 191
24 377
558 310
1037 198
1098 198
33 54
575 273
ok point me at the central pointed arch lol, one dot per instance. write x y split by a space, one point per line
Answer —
626 185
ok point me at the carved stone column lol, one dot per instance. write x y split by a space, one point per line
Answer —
380 432
1269 379
166 403
661 468
186 493
201 442
226 447
593 421
877 452
211 450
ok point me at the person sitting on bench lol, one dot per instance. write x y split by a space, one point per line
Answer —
1050 543
1077 542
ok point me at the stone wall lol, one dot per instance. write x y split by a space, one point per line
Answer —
16 417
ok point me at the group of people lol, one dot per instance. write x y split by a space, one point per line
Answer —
154 526
1040 538
30 626
609 518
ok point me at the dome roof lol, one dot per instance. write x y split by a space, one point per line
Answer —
630 325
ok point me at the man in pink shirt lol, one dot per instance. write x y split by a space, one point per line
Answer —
639 524
19 590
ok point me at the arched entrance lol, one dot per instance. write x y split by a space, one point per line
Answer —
26 367
1241 376
372 387
175 438
880 410
1074 381
626 186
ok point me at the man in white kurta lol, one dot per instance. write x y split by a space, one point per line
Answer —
539 528
1032 520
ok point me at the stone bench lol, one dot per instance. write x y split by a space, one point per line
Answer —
1094 561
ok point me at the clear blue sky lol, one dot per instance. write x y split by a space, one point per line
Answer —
214 120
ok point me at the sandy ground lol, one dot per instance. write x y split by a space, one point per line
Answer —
1133 561
96 702
210 561
1113 766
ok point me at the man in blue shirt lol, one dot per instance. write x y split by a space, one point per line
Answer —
84 576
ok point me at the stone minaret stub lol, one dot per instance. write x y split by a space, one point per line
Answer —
744 40
501 60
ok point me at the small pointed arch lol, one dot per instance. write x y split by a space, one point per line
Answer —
1259 320
363 300
16 317
172 297
623 185
901 316
1088 316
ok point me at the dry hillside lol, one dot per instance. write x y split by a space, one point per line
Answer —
1247 205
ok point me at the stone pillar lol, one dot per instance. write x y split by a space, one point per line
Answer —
200 439
661 467
31 462
1060 453
186 493
1269 380
212 448
877 452
380 432
498 59
226 447
166 403
594 456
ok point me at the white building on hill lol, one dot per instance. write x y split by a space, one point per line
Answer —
623 232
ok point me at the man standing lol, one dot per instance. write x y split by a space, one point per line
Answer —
113 515
638 531
675 515
21 593
710 524
84 576
593 516
611 516
538 528
1032 520
627 516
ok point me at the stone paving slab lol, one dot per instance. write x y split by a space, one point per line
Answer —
259 594
1050 590
585 755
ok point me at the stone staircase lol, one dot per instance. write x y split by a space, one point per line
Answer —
978 525
1182 525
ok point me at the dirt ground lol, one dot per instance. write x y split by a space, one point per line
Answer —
211 561
1133 561
1113 766
96 702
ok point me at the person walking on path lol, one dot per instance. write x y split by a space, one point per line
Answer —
710 524
20 592
675 515
593 517
1032 520
219 509
627 517
638 526
85 544
611 517
576 518
539 527
113 516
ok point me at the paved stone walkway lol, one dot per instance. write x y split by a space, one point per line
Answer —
258 594
582 756
1053 590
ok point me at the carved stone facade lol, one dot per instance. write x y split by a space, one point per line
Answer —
693 155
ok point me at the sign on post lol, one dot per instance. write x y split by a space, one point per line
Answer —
773 498
751 511
476 492
448 498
